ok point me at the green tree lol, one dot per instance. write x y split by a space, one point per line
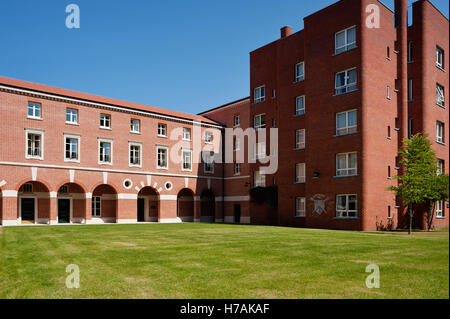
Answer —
437 190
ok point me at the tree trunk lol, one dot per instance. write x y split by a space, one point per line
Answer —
431 208
411 213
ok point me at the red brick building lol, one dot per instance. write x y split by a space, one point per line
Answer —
342 96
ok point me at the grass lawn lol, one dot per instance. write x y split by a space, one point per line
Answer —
219 261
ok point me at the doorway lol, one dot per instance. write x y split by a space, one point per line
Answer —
28 210
141 210
63 210
237 213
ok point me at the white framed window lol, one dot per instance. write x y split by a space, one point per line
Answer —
346 122
162 130
135 158
259 121
259 150
105 121
71 116
71 148
259 179
162 157
388 92
410 90
105 151
440 167
135 126
345 81
300 173
237 120
346 206
440 97
299 71
300 207
345 40
259 94
439 57
186 164
237 169
208 137
34 110
440 209
236 145
439 132
186 134
300 105
28 188
300 139
96 206
34 147
410 51
346 164
208 162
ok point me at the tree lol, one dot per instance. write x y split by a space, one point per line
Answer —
418 183
437 190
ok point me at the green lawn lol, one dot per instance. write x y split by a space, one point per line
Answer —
219 261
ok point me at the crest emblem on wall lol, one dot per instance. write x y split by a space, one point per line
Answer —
320 203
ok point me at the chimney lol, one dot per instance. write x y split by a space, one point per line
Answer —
286 31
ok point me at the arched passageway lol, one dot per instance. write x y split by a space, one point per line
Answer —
185 205
33 203
148 205
71 204
104 204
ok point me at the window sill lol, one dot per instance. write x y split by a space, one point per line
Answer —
104 163
209 143
135 166
71 161
343 176
412 61
137 133
440 68
336 54
346 218
105 128
437 217
389 138
441 143
162 136
345 134
339 94
209 172
441 106
164 168
186 170
185 140
34 158
297 183
72 123
298 81
257 102
35 118
298 115
300 149
388 58
299 216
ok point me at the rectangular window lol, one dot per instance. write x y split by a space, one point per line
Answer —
259 121
440 132
72 148
162 130
346 164
237 168
259 179
236 145
71 116
208 137
440 167
439 57
135 126
96 206
410 90
162 157
345 81
300 105
34 144
259 94
440 99
346 122
237 120
300 173
208 158
300 206
299 71
300 139
34 110
345 40
135 154
104 151
388 92
105 121
28 188
410 128
346 206
410 51
439 209
186 134
187 160
259 150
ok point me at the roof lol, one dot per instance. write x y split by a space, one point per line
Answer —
224 105
99 99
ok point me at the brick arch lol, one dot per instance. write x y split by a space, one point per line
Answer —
27 180
176 191
98 184
185 204
83 187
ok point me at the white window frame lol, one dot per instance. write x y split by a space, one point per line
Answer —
440 167
94 207
439 57
105 140
347 86
300 111
106 118
300 76
346 171
300 207
349 129
33 106
34 132
75 137
347 46
73 116
236 144
440 95
259 150
259 179
237 120
237 169
133 126
186 134
440 209
134 144
183 152
158 148
300 134
208 137
258 96
260 126
346 210
162 130
208 167
440 132
300 173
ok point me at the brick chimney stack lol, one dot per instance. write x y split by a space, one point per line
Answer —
285 31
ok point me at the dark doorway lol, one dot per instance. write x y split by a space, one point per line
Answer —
63 210
141 210
28 209
237 213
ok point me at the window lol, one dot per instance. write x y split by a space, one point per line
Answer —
345 40
237 120
439 57
389 171
135 154
274 93
300 139
346 164
388 53
187 160
71 116
105 121
389 212
28 188
63 189
346 206
259 150
440 99
35 144
208 137
259 121
135 126
410 51
300 105
236 145
439 209
440 167
208 158
345 81
105 151
410 128
162 130
259 94
259 179
410 90
96 206
299 72
72 148
300 207
346 122
162 157
34 110
388 92
237 168
186 134
300 173
439 132
389 132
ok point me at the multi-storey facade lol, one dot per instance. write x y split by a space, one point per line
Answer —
342 97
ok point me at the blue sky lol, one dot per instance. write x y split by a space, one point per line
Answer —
181 55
